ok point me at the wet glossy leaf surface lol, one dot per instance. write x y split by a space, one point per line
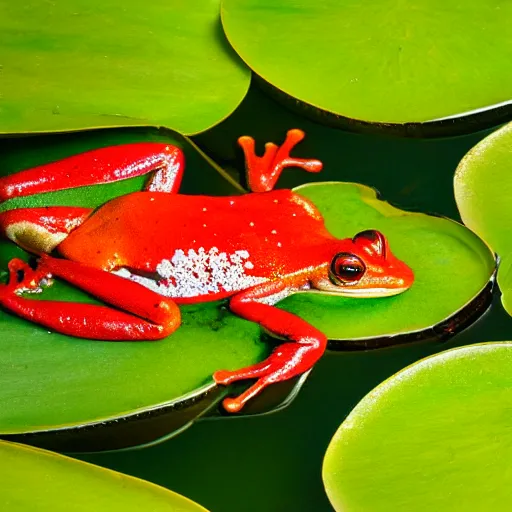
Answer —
380 62
483 190
72 64
435 436
34 479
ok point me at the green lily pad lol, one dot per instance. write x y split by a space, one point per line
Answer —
441 252
131 378
72 65
135 380
400 66
435 436
483 189
34 479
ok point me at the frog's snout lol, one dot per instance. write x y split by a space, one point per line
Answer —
404 276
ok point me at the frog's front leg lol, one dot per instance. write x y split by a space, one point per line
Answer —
263 172
104 165
150 316
306 344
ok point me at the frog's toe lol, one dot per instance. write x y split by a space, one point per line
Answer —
232 404
223 377
23 278
235 404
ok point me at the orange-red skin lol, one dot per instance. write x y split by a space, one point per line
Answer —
283 233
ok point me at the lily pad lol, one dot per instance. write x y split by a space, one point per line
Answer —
441 252
141 380
435 436
131 378
71 65
483 191
398 66
34 479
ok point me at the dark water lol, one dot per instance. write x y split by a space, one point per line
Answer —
273 463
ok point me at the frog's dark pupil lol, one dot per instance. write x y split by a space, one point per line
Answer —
349 271
347 268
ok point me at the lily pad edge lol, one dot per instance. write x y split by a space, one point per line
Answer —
50 455
464 123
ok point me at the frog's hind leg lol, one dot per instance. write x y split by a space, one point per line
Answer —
104 165
304 346
149 316
40 230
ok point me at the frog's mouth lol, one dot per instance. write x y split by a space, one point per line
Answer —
370 293
360 293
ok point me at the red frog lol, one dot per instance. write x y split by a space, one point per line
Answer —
144 253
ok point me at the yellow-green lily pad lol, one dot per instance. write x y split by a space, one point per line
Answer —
72 64
51 384
435 436
414 68
483 191
34 479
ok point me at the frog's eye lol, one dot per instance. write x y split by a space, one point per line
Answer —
374 239
347 268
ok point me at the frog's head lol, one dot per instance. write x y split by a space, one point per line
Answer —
365 267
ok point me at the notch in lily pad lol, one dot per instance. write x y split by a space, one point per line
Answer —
435 436
385 66
483 191
150 390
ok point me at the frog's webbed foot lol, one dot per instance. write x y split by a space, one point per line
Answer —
286 361
263 172
25 279
305 346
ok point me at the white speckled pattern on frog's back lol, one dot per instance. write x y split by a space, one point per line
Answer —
198 273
